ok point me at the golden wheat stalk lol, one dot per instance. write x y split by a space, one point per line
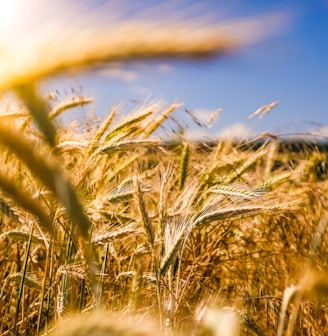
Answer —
124 128
60 303
39 111
48 171
136 287
183 166
101 131
126 145
72 144
26 202
125 191
232 212
154 124
263 110
30 282
253 159
175 235
232 190
274 180
148 278
9 211
68 104
121 167
122 40
112 236
148 226
166 178
76 271
22 235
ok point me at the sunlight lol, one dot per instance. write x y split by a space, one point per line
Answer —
9 11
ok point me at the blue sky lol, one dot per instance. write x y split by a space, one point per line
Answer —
290 66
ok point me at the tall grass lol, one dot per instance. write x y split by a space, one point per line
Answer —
202 238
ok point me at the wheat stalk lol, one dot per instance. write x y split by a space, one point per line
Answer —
39 111
183 166
76 271
26 202
115 235
18 277
148 227
18 234
48 171
231 212
126 125
232 190
121 167
9 211
101 131
176 232
68 104
125 146
253 159
154 124
121 41
274 180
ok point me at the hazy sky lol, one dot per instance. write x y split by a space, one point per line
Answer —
289 66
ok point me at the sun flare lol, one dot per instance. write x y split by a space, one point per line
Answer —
9 11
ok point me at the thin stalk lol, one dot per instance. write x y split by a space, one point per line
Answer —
19 299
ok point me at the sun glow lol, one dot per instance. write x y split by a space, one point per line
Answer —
9 11
12 19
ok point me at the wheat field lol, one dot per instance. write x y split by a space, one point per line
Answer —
121 226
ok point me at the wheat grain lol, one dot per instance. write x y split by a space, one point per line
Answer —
241 211
126 145
127 124
148 226
18 277
76 271
18 234
48 171
183 166
9 211
70 103
39 111
115 235
154 124
232 190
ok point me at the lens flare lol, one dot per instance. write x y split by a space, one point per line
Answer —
9 17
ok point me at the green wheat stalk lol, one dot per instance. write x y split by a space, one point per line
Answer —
183 166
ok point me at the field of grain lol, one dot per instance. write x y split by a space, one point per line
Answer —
121 226
110 217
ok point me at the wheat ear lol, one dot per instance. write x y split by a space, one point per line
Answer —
232 190
22 280
243 167
143 212
154 124
38 110
183 166
22 235
241 211
124 40
101 131
9 211
71 103
26 202
113 236
127 124
48 171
